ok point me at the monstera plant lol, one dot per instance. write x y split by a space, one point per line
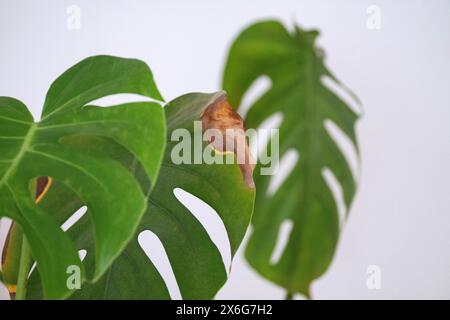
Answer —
117 161
108 159
295 67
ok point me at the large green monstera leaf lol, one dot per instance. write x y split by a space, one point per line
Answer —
115 198
195 260
295 67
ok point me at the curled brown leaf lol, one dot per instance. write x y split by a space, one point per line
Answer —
221 117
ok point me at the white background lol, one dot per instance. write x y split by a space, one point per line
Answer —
400 220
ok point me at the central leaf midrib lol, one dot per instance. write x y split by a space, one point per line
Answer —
309 149
23 149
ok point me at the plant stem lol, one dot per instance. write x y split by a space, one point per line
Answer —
289 296
24 269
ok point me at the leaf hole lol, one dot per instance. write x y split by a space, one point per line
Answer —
284 232
155 251
74 218
256 90
82 254
343 93
338 195
345 145
120 98
211 222
5 225
258 143
287 165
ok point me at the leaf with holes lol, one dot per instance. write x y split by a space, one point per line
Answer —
194 258
295 67
115 198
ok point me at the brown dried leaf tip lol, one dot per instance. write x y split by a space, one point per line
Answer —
227 134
